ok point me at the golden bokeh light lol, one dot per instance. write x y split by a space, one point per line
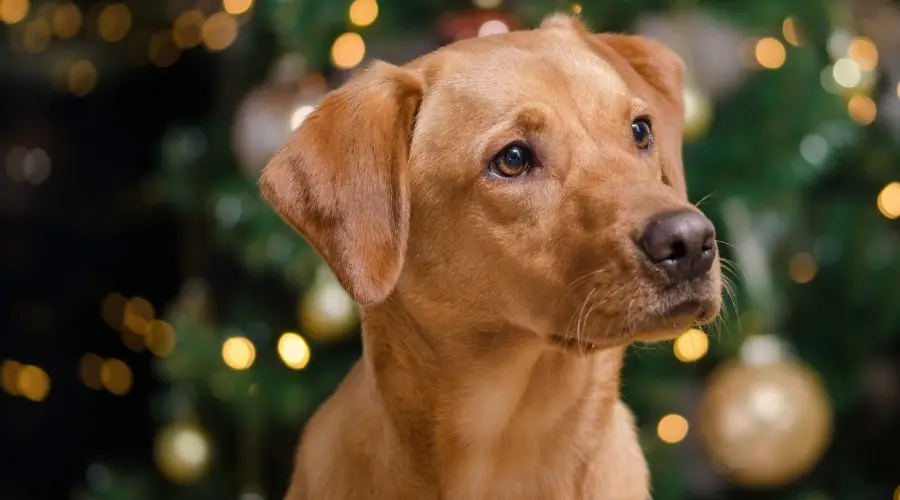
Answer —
114 22
576 8
89 367
238 353
864 52
116 377
132 340
82 79
112 309
791 31
36 36
187 31
293 350
219 31
13 11
9 376
161 338
66 20
862 109
897 493
889 201
691 345
770 53
363 12
236 7
487 4
33 383
137 313
348 50
162 50
672 428
803 268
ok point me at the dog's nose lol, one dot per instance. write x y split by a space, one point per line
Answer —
681 243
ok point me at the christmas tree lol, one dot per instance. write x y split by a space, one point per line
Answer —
792 116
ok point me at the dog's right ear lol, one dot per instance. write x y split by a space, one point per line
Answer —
341 180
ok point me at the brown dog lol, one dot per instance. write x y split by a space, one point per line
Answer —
511 213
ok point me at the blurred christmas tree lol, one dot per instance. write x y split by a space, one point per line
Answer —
791 396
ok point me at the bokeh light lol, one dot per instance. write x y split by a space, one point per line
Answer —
36 36
161 338
862 109
889 200
236 7
13 11
293 350
219 31
672 428
770 53
89 368
82 78
691 345
116 376
363 12
32 383
238 353
864 52
802 268
791 31
67 20
348 50
114 22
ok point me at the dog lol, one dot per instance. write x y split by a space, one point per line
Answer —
510 213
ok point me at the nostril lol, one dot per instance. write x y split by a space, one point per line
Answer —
678 250
709 243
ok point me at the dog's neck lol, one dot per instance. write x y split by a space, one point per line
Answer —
472 406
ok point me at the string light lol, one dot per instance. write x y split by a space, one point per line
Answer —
790 31
161 338
116 377
33 383
864 52
238 353
802 268
770 53
9 376
114 22
348 50
66 20
889 201
363 12
89 367
162 50
672 429
82 79
236 7
219 31
691 345
187 30
13 11
862 109
293 350
36 36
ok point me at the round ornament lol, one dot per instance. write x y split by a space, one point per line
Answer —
270 113
326 311
765 418
183 452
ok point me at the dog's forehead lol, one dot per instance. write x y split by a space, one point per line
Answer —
541 64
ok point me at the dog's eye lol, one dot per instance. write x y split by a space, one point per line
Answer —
642 132
513 161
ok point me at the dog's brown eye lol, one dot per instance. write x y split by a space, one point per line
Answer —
513 161
643 134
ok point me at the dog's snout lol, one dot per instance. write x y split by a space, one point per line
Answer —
681 243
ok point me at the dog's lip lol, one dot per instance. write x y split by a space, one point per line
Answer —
574 344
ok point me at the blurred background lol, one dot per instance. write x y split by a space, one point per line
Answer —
164 335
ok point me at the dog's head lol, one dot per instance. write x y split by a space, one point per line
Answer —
532 179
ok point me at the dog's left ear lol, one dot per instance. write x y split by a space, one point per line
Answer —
663 72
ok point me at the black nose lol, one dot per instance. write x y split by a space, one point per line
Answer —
682 243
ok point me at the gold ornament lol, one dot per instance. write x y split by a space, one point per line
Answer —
698 113
765 418
269 114
327 312
183 452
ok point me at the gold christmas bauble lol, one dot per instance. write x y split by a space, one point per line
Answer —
326 311
183 452
765 418
698 113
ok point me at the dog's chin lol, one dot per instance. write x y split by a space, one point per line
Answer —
667 317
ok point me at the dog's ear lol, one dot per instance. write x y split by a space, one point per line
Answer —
341 180
663 71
